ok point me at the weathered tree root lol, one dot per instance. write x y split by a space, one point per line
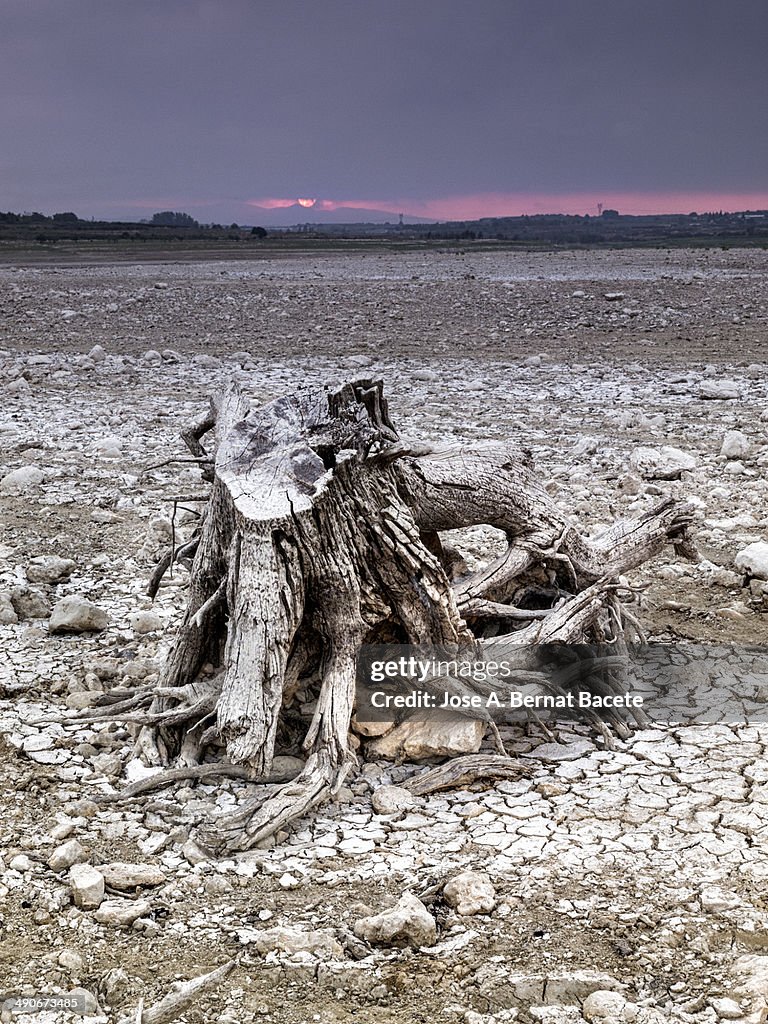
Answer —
322 533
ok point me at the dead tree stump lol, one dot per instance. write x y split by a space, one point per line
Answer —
323 532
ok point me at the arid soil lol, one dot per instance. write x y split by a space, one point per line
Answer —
640 870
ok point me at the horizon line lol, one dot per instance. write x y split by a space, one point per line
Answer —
466 207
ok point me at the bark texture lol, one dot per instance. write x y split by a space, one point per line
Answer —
322 532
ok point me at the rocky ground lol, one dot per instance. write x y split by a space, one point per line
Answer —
624 885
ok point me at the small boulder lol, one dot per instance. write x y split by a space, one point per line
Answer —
722 390
735 445
391 800
320 942
76 615
753 559
145 622
407 924
603 1004
23 479
49 569
69 853
469 893
128 877
30 603
418 739
87 885
8 616
122 913
665 463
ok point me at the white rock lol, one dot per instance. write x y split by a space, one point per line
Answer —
76 615
420 738
122 913
726 1009
471 892
97 354
20 862
665 463
735 445
66 855
753 559
407 924
288 881
87 885
320 942
719 389
127 877
25 478
601 1004
391 800
71 961
152 357
145 622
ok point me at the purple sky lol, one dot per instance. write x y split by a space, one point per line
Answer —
440 108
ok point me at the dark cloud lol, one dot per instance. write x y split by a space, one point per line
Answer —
106 102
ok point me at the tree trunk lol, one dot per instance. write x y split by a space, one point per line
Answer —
322 533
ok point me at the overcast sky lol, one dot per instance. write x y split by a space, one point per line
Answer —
436 107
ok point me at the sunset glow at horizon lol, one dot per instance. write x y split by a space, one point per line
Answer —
515 204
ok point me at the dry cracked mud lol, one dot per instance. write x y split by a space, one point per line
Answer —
641 870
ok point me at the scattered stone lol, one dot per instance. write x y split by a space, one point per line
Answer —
87 885
469 893
69 853
665 463
735 445
145 622
20 862
407 924
76 615
726 1009
753 559
127 877
30 603
320 942
8 616
71 961
26 478
49 569
724 390
603 1004
391 800
420 738
121 913
288 881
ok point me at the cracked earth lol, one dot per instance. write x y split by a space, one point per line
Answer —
627 884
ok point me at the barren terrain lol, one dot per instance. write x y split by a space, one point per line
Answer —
641 870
